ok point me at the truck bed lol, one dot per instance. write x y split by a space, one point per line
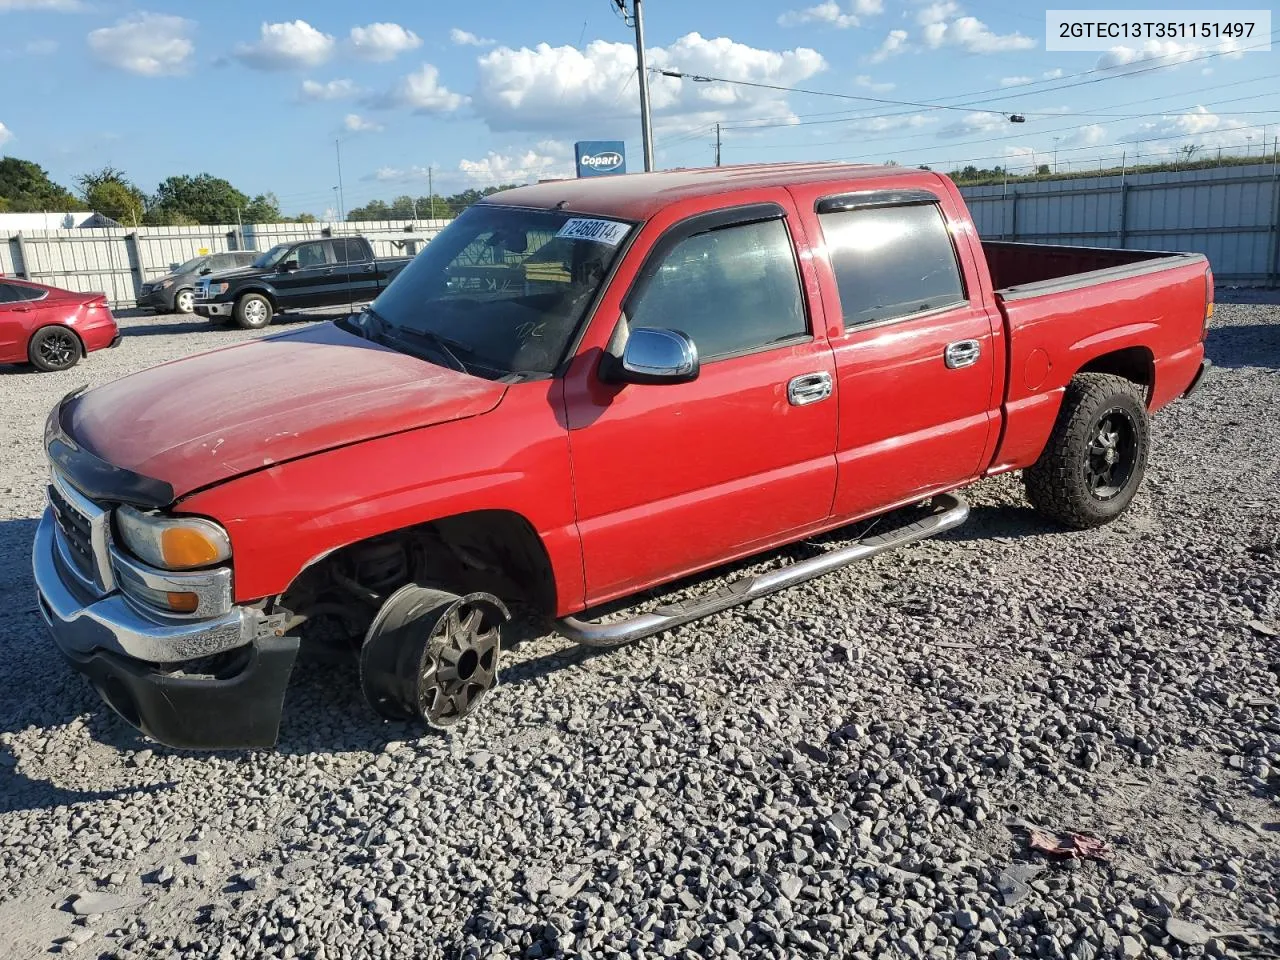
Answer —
1062 305
1021 270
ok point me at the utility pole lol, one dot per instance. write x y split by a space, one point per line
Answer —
646 129
431 192
337 146
717 144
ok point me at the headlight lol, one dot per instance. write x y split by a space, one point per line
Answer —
216 288
172 543
164 284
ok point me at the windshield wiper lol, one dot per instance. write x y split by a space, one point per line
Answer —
443 346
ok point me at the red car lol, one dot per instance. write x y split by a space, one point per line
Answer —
51 328
581 391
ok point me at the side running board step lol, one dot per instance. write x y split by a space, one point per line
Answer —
951 511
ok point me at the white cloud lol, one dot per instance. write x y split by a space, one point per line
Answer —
332 90
832 14
354 123
40 48
61 6
381 42
465 38
974 123
285 46
5 134
567 89
866 83
148 44
545 161
1201 127
1018 81
972 36
1151 54
1090 135
421 92
892 45
937 12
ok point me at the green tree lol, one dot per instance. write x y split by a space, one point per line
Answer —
200 199
305 218
373 210
26 187
264 208
109 192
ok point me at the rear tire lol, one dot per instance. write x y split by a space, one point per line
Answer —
253 311
1097 453
54 348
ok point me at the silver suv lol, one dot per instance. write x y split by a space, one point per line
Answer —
172 293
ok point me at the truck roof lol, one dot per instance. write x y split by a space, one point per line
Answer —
637 196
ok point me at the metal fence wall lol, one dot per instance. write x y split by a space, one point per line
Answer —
1230 214
117 261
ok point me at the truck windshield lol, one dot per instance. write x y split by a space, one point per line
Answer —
272 256
502 289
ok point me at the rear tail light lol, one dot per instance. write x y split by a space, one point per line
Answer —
1208 302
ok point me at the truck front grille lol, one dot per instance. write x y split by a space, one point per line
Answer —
77 532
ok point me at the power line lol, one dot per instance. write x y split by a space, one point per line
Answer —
1110 74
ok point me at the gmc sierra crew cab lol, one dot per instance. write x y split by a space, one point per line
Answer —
582 390
311 273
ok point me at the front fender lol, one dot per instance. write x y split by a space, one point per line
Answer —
259 286
282 517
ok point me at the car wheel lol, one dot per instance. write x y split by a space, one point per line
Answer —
432 655
184 301
54 348
253 311
1096 457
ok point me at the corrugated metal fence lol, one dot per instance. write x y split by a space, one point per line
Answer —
1230 214
117 261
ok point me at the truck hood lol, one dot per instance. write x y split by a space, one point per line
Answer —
203 419
232 272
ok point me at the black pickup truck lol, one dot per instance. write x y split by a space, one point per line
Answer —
308 273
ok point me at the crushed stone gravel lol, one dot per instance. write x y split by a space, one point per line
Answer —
847 769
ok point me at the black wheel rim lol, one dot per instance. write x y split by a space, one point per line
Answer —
1112 454
57 349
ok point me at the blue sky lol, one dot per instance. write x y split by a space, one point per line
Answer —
499 90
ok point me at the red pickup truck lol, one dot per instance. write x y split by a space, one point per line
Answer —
579 391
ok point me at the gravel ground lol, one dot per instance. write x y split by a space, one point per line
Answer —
848 769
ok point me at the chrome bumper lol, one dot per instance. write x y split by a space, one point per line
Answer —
82 624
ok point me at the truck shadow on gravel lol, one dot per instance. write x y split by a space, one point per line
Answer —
1245 345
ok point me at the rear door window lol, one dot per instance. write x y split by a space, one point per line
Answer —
892 261
349 250
16 293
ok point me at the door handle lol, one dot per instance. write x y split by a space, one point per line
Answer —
808 388
962 353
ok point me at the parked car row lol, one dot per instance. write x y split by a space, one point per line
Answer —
52 329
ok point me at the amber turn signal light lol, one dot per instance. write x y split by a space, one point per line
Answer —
182 602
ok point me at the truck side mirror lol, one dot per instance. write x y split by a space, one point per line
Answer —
654 355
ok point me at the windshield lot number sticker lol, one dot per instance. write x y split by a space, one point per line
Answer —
601 231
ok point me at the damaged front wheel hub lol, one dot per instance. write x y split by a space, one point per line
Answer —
432 655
